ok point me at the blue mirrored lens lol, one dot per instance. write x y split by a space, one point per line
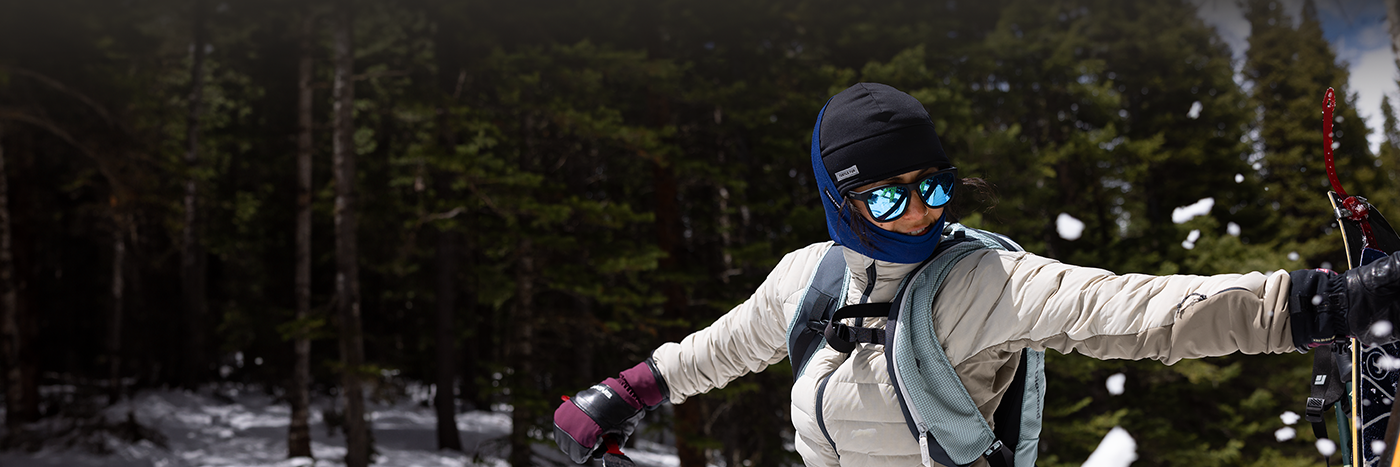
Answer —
937 191
888 202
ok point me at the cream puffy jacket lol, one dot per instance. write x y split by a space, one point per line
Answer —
992 305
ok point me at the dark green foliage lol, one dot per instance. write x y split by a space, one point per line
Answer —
622 173
1290 67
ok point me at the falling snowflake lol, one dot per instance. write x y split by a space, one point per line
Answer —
1191 238
1068 227
1118 449
1326 447
1115 383
1382 328
1199 208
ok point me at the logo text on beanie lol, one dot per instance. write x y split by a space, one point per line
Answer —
848 173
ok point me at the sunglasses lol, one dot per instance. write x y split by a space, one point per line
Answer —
888 202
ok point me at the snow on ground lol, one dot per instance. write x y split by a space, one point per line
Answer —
250 429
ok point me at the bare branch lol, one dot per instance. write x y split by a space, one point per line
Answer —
485 199
62 88
442 215
102 163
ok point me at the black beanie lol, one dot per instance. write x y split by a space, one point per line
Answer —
871 132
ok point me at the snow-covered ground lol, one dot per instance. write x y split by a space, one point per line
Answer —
242 428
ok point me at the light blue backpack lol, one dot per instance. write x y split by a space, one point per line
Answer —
938 409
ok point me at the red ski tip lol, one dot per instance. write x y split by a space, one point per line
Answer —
1329 107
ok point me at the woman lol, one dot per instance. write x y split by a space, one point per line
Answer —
885 183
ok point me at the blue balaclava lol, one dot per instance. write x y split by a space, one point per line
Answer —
868 133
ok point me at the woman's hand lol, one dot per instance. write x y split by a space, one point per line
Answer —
1362 303
610 409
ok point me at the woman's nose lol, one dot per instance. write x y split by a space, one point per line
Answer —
917 208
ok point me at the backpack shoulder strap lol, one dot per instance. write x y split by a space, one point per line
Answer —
825 292
939 410
1008 414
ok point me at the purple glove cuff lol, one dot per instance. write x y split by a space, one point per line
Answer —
644 384
620 388
578 425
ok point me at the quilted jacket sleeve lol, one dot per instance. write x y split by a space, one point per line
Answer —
1016 299
747 339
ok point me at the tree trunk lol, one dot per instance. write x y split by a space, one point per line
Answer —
347 282
192 255
299 430
21 402
668 224
445 400
114 322
522 322
446 259
477 350
688 425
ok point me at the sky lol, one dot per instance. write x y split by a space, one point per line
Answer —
1357 30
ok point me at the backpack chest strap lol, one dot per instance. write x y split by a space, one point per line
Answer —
843 338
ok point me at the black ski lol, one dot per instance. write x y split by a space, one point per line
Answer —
1366 237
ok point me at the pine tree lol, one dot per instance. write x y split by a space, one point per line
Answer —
357 440
192 250
19 408
1289 69
1386 198
298 428
1117 140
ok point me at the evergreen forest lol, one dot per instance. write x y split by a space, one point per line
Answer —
509 201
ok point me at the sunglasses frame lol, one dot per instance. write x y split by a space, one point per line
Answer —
909 188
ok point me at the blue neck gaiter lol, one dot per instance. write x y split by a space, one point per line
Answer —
884 245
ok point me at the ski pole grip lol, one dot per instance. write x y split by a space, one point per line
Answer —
614 456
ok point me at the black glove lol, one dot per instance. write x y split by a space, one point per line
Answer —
1325 306
610 409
